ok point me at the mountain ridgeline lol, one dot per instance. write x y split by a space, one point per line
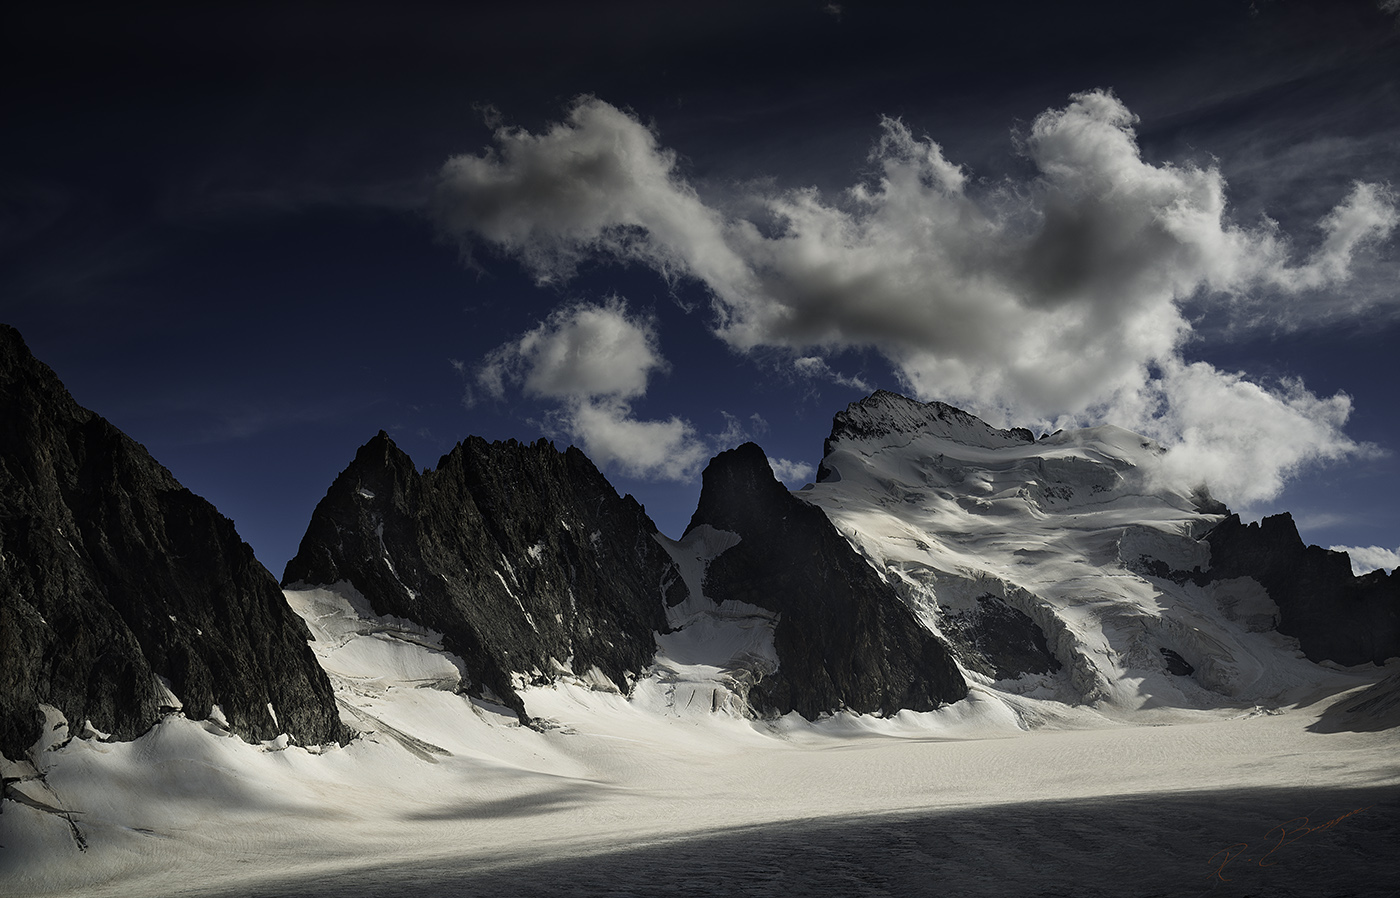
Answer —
533 568
123 595
932 548
843 637
524 558
1334 615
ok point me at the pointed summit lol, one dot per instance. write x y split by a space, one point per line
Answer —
844 639
524 558
123 594
883 414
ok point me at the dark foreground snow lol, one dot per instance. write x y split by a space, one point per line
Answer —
1284 841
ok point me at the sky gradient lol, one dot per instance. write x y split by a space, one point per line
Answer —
251 240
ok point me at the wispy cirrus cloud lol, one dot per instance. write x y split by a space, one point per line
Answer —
1059 299
817 368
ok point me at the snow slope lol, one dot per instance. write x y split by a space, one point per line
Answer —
1063 529
715 650
1067 782
618 796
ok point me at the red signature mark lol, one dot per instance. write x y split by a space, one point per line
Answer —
1285 833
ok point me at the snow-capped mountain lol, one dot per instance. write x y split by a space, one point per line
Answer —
1064 568
509 665
1050 573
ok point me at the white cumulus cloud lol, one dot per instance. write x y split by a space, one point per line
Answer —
1241 438
790 472
1365 559
593 360
581 351
1059 298
597 182
662 450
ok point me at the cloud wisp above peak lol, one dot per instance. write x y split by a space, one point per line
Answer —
591 361
1365 559
1062 298
581 351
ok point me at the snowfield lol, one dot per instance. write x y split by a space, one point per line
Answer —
1259 773
442 795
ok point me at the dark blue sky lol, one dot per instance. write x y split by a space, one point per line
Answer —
224 230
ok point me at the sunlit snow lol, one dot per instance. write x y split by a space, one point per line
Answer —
1112 764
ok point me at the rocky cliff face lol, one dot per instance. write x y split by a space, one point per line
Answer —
524 557
114 577
843 638
1335 615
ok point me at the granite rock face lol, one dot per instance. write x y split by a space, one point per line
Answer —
1335 615
524 558
998 640
843 638
114 576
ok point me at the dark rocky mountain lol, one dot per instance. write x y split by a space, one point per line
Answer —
113 576
843 638
123 595
524 558
1335 615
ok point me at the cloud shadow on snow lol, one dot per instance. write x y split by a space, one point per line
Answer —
544 802
1174 844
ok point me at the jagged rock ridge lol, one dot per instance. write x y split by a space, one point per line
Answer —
525 559
113 575
1335 615
843 638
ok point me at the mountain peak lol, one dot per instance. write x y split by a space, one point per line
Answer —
843 637
732 486
124 595
884 413
524 558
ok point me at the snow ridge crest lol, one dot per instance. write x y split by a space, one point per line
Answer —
884 413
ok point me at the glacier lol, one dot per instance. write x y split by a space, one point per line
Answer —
1154 723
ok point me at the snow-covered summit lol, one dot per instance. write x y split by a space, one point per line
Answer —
883 414
1053 566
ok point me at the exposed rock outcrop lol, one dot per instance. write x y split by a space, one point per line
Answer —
998 640
843 638
113 575
524 558
1335 615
